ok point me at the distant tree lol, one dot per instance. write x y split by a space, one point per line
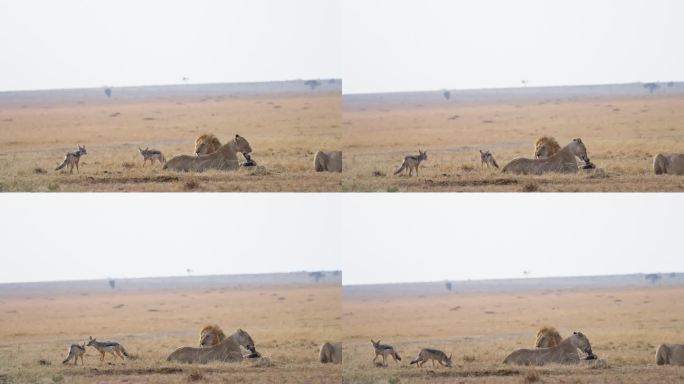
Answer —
186 79
313 84
316 275
653 277
189 271
447 94
672 275
108 92
526 273
524 83
332 81
112 283
448 285
652 87
337 273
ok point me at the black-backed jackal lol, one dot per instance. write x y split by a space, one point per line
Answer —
151 155
384 350
112 347
412 162
75 351
434 355
486 157
72 158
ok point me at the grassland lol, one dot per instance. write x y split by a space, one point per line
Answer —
622 133
285 128
624 326
287 322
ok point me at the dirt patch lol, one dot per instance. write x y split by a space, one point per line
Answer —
132 371
133 180
469 183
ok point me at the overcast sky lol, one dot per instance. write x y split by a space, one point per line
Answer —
92 236
433 237
85 43
373 238
401 45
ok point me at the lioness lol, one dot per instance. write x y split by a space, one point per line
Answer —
563 353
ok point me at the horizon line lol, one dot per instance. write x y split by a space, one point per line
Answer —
493 88
509 278
168 84
167 277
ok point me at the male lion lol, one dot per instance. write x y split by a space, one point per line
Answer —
548 337
561 162
545 146
331 353
223 159
563 353
328 161
227 351
672 354
672 164
206 144
211 335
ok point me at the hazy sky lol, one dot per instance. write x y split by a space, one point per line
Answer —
82 236
432 237
85 43
373 238
399 45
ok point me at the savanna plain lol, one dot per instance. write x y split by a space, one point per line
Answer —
286 123
481 327
623 127
288 323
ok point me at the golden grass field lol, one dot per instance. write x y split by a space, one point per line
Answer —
285 129
287 322
622 135
624 326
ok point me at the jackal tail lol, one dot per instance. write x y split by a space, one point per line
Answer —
124 352
403 166
397 356
163 159
64 163
416 360
494 163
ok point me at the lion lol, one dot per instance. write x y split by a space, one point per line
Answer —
561 162
330 161
206 144
563 353
672 164
672 354
226 351
546 146
331 353
548 337
225 158
211 335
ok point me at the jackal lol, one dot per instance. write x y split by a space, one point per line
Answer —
384 350
434 355
112 347
151 155
486 157
75 351
72 158
412 162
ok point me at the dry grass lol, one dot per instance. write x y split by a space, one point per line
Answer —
36 135
36 330
488 326
622 135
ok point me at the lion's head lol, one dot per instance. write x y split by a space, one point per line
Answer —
545 146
